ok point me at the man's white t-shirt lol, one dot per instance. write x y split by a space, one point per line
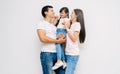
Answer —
72 48
50 32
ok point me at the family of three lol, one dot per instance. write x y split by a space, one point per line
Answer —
59 39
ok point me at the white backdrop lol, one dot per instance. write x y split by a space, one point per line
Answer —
19 44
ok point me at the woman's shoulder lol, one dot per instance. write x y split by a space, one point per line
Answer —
76 25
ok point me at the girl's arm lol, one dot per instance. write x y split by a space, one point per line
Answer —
55 20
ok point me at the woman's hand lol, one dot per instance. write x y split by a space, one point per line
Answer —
66 24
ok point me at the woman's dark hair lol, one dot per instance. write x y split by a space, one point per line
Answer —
45 9
80 18
66 10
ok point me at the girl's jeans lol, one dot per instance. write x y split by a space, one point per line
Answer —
59 48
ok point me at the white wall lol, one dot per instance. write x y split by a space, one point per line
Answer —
19 44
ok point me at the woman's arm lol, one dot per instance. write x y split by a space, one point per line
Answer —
73 36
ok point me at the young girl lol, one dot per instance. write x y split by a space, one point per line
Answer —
75 34
61 32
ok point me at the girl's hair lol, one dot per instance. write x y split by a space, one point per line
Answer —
80 18
66 10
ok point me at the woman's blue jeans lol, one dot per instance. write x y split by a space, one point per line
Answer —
71 63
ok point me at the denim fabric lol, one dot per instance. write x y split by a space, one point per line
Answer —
59 48
48 59
71 63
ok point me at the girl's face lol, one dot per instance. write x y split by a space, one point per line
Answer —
73 16
63 14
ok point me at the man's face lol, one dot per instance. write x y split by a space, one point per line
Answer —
50 13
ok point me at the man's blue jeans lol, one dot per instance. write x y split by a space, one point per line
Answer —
48 59
71 63
59 48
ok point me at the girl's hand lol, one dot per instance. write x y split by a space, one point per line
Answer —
55 20
67 24
56 17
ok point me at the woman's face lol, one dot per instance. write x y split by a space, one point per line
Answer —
63 14
73 15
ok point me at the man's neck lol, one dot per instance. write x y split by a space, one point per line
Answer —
48 19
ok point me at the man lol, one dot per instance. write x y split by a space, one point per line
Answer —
47 35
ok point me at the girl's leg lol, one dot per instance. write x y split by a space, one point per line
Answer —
59 62
63 58
59 70
63 45
58 50
62 54
58 46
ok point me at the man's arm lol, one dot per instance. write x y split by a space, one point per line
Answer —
46 39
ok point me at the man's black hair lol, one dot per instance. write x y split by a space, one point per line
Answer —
45 9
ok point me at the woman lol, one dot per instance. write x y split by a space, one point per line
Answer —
75 34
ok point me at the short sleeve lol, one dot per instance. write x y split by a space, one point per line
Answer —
77 27
41 26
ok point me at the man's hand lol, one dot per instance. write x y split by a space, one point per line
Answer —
61 36
61 40
45 39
